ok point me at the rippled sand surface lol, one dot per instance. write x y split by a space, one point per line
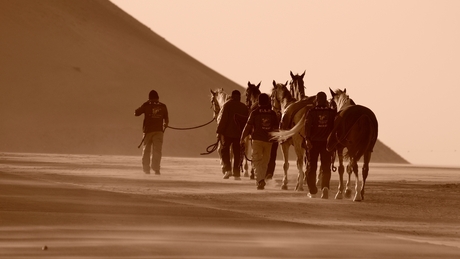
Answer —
84 206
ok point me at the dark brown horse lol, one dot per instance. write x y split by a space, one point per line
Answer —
297 86
291 128
252 95
356 129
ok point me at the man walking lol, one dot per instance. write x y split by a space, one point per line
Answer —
318 125
156 120
261 121
233 119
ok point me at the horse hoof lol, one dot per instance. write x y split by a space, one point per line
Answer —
357 198
284 187
339 196
246 174
348 194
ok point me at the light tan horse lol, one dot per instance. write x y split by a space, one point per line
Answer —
292 120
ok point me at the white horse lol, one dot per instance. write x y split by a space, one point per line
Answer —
292 123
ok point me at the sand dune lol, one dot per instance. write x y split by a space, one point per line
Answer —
105 207
72 72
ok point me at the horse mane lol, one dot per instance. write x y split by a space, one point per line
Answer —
297 86
218 99
220 96
341 99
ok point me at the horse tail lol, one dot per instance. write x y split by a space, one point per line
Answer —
283 135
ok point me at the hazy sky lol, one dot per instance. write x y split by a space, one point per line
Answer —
399 58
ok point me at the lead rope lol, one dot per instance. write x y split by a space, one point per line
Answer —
196 127
211 148
174 128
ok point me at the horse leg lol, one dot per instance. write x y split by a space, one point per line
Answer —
318 180
300 151
245 168
219 151
348 189
367 159
358 196
339 194
231 159
246 152
307 166
285 148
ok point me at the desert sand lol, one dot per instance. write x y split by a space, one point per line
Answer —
90 206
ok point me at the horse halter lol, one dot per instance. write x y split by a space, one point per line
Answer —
215 106
276 104
248 99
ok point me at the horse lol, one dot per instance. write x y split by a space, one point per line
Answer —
252 100
252 95
297 89
218 98
356 129
292 122
296 86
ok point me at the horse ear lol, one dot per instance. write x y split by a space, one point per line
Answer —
259 84
344 90
286 83
213 93
249 83
274 83
332 92
302 75
292 75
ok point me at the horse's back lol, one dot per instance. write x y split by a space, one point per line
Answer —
358 124
294 112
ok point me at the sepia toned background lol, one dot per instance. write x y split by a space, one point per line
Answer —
72 72
400 58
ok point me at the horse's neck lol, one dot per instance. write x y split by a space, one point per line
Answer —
222 100
343 104
285 102
297 91
299 95
254 102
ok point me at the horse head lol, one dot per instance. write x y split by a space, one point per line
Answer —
297 87
340 99
252 94
280 96
218 98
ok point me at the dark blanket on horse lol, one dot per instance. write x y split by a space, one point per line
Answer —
346 118
287 120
